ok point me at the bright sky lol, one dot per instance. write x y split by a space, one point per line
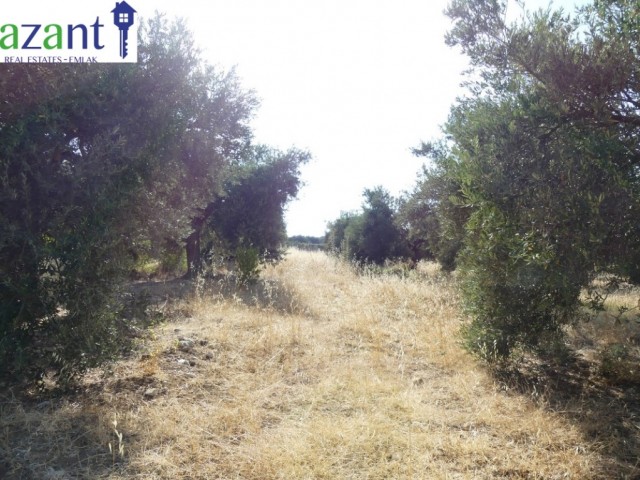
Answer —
356 82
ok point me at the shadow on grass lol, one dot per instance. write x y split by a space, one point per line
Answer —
607 415
61 434
261 293
54 439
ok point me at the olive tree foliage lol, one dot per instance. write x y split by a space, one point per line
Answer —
372 235
220 137
214 140
545 163
94 159
343 233
431 218
381 238
249 212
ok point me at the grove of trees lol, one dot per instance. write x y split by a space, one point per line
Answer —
533 191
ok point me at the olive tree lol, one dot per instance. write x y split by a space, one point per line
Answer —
93 160
544 156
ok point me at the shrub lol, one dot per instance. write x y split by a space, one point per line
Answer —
517 284
248 263
371 236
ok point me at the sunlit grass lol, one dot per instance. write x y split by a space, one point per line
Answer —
319 371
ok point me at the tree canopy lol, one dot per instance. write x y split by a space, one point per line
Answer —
373 235
537 182
95 159
250 211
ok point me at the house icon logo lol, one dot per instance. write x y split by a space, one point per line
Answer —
123 18
70 35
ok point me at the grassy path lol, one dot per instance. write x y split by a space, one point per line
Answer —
315 373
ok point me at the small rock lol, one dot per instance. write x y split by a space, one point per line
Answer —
185 344
192 363
208 356
150 393
182 361
203 343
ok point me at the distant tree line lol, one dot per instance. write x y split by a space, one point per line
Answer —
306 242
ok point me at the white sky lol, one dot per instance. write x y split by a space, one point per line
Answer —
356 82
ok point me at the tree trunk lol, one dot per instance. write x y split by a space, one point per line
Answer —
192 243
194 259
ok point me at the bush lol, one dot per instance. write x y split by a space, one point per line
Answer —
523 287
68 342
487 343
371 236
248 263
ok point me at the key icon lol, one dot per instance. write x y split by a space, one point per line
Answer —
123 19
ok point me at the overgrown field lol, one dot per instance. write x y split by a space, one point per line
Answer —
321 372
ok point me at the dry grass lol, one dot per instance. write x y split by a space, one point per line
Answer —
618 323
315 373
